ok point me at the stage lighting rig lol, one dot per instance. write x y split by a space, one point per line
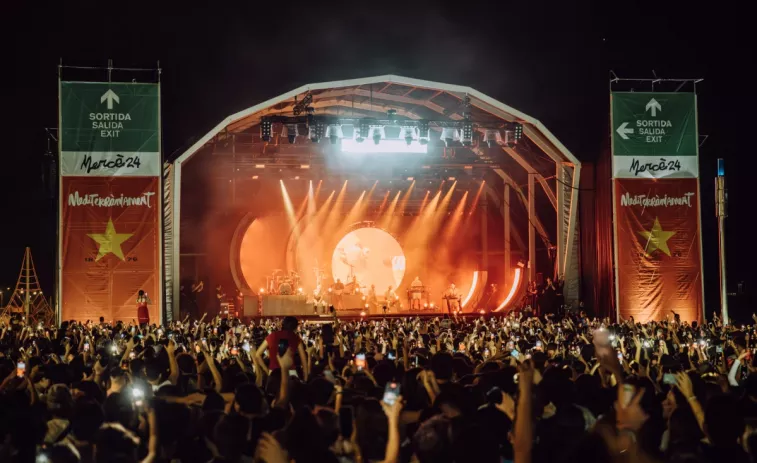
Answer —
517 131
361 130
423 132
304 105
265 129
492 137
334 133
449 136
316 129
289 131
467 132
409 134
378 133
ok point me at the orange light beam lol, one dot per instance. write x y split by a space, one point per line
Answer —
366 201
336 209
288 207
424 202
324 209
386 220
457 218
354 213
311 200
383 204
406 197
478 196
441 210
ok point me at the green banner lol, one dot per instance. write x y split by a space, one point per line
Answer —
654 124
109 117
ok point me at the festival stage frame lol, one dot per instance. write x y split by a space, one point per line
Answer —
443 177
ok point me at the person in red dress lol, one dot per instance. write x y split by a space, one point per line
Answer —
143 313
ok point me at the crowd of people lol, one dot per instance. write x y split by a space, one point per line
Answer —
433 390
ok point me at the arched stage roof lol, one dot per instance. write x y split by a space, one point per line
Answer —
539 158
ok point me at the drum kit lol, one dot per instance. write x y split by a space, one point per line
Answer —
282 283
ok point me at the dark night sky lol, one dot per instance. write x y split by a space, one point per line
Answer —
548 59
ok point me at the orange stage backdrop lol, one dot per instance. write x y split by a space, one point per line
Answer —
659 266
110 246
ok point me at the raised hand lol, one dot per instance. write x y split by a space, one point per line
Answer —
270 451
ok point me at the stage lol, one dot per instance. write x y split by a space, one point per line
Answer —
354 305
438 189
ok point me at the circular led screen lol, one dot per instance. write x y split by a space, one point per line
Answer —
372 255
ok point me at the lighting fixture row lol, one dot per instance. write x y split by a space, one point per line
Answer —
320 127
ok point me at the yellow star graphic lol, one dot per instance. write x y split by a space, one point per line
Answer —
110 241
657 238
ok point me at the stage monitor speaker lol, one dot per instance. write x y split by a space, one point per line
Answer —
251 306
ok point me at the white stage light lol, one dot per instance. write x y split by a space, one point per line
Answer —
409 134
378 134
450 135
334 133
492 137
289 131
386 146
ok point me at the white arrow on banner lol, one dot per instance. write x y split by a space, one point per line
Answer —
653 106
623 130
110 96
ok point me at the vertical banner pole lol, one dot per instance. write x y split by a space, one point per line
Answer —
531 229
722 213
58 217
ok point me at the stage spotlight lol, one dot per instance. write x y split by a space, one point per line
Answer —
409 134
361 131
410 179
492 137
315 131
451 179
265 129
262 291
449 136
482 311
254 177
467 135
304 166
378 134
423 132
334 133
290 131
362 313
260 166
518 131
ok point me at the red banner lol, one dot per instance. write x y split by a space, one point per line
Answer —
110 246
659 266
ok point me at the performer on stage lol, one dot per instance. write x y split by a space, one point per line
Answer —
143 313
372 300
391 299
416 292
318 300
336 300
453 299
